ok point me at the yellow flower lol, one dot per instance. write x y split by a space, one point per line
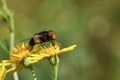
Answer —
48 52
22 56
19 53
4 70
23 53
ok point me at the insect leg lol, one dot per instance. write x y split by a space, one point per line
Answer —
42 45
53 42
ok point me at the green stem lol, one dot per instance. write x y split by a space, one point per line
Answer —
54 61
8 15
11 40
26 63
15 75
33 73
56 71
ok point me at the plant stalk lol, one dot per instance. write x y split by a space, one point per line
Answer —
54 61
33 73
8 15
56 72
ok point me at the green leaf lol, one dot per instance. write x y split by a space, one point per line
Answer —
2 13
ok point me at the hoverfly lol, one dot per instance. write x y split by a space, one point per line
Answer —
42 37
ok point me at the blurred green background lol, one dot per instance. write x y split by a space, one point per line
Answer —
91 24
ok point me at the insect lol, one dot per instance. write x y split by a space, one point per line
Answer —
41 37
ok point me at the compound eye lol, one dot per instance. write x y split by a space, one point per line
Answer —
50 33
53 36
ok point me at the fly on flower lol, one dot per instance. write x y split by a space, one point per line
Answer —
42 37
